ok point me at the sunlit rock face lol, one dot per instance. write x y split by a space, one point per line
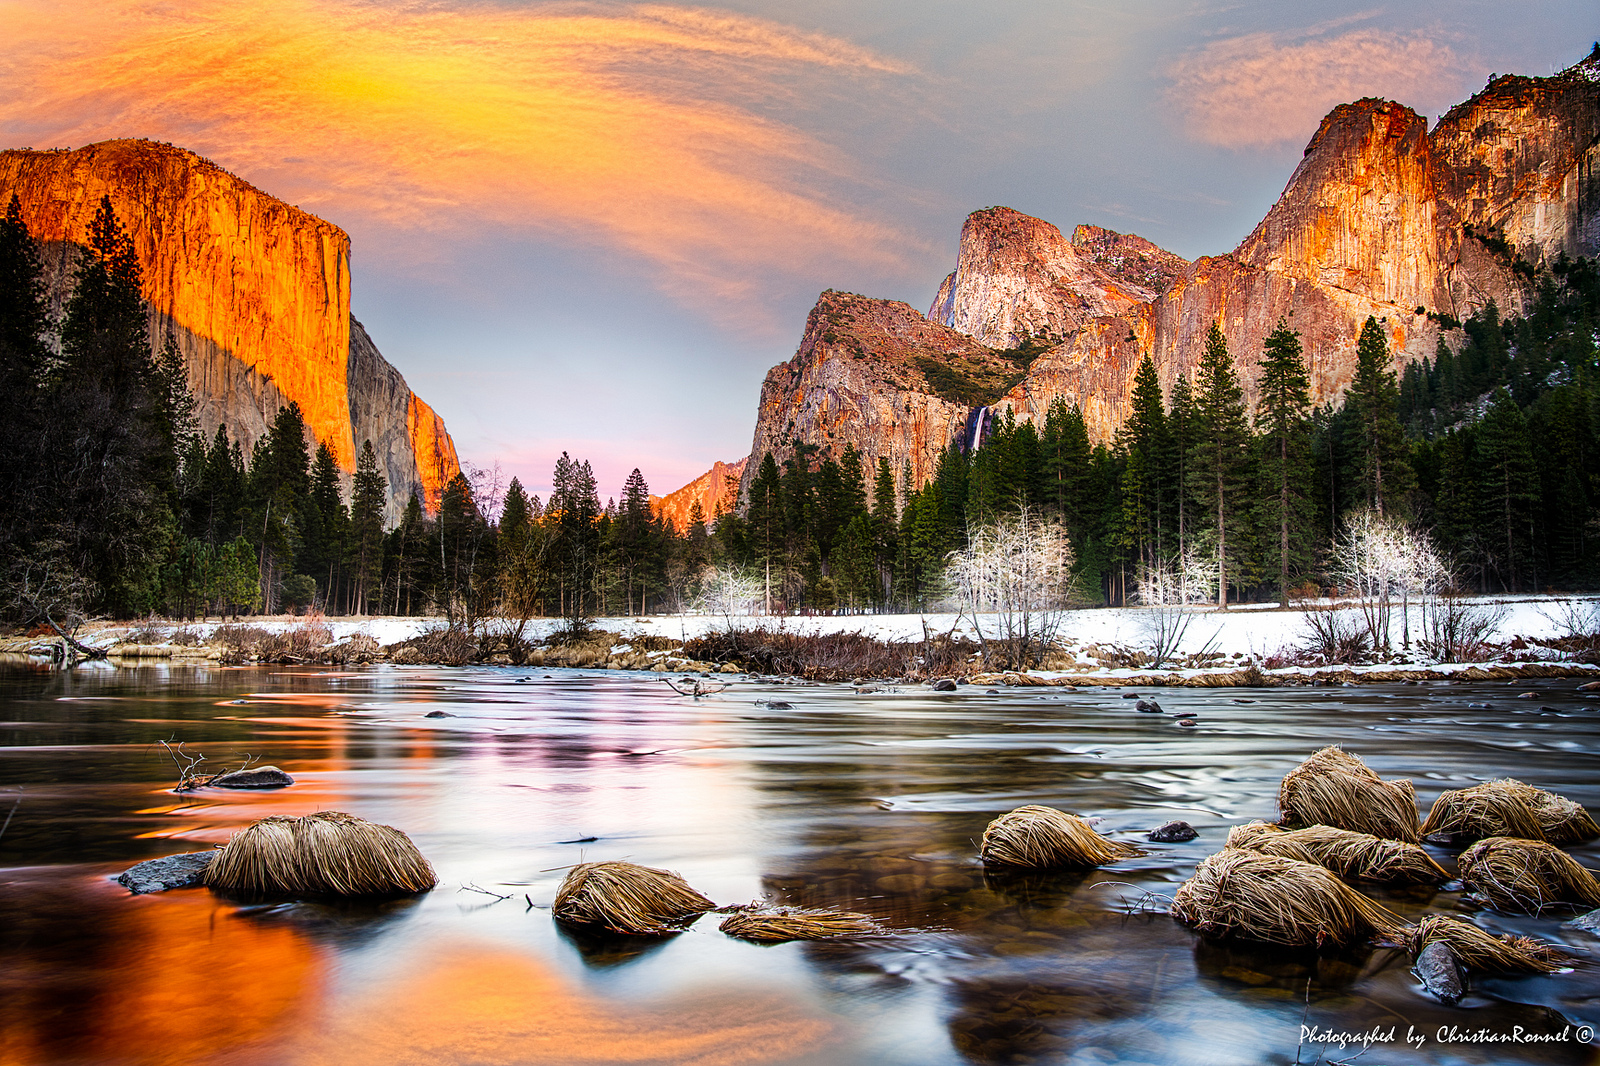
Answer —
715 491
256 293
866 374
1017 277
1381 218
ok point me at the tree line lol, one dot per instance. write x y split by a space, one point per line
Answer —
120 506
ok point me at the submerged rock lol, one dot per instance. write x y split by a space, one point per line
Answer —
1589 923
438 714
171 871
1440 973
1148 707
1172 833
255 777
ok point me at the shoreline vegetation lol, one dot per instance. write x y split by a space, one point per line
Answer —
1129 647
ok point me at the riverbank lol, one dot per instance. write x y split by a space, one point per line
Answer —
1531 637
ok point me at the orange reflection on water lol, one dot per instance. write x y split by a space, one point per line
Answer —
180 978
489 1006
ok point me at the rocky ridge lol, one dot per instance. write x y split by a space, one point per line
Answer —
711 490
1381 218
255 292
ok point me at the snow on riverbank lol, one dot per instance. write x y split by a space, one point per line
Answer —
1242 633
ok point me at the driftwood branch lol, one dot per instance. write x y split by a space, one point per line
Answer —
698 689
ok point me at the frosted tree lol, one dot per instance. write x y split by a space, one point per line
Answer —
1020 570
1380 560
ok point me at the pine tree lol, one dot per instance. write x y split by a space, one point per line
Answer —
1381 466
575 504
1182 427
1509 483
366 530
1147 441
764 516
1222 448
1281 418
23 354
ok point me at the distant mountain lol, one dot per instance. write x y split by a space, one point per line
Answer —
256 292
1382 217
715 490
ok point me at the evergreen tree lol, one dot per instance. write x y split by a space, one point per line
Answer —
23 353
1381 466
327 524
575 504
1217 466
765 520
1281 418
1147 441
367 496
1509 485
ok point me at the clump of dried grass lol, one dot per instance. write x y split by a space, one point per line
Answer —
1481 951
327 853
1335 788
1043 838
1243 893
1353 856
1508 808
775 926
627 898
1526 876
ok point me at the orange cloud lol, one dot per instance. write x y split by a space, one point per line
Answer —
649 129
1263 89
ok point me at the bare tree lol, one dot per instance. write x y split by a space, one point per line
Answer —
1019 569
1379 560
729 591
42 586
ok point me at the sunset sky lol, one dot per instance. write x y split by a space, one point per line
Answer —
594 227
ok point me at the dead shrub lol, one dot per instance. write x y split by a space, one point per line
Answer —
1353 856
785 923
1333 635
627 898
1243 893
1526 876
1042 838
1333 787
327 853
355 650
446 645
1483 952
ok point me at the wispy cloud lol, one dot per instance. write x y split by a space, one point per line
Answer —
1265 89
651 130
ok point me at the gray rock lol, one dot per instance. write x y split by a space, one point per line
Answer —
1440 973
1172 833
1589 923
1148 706
255 777
173 871
780 705
945 684
438 714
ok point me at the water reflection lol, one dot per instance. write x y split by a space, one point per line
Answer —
872 804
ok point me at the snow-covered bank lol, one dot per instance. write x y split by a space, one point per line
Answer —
1243 645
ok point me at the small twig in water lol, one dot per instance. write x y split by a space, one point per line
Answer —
9 815
470 887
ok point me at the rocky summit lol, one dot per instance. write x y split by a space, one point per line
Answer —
255 292
1382 217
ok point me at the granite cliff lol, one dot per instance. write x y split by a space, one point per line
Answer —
711 490
1381 217
256 292
876 374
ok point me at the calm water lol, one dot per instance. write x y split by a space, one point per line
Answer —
872 803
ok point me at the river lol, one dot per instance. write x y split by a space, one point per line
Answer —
868 802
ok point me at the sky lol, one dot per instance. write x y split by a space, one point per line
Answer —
594 227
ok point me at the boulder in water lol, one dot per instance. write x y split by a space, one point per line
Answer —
1148 707
1172 833
945 684
171 871
1440 972
254 777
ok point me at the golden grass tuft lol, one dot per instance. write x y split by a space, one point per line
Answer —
328 853
1508 808
1484 952
1353 856
1333 787
1043 838
1526 876
775 926
627 898
1242 893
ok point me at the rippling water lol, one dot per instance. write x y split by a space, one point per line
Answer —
871 803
